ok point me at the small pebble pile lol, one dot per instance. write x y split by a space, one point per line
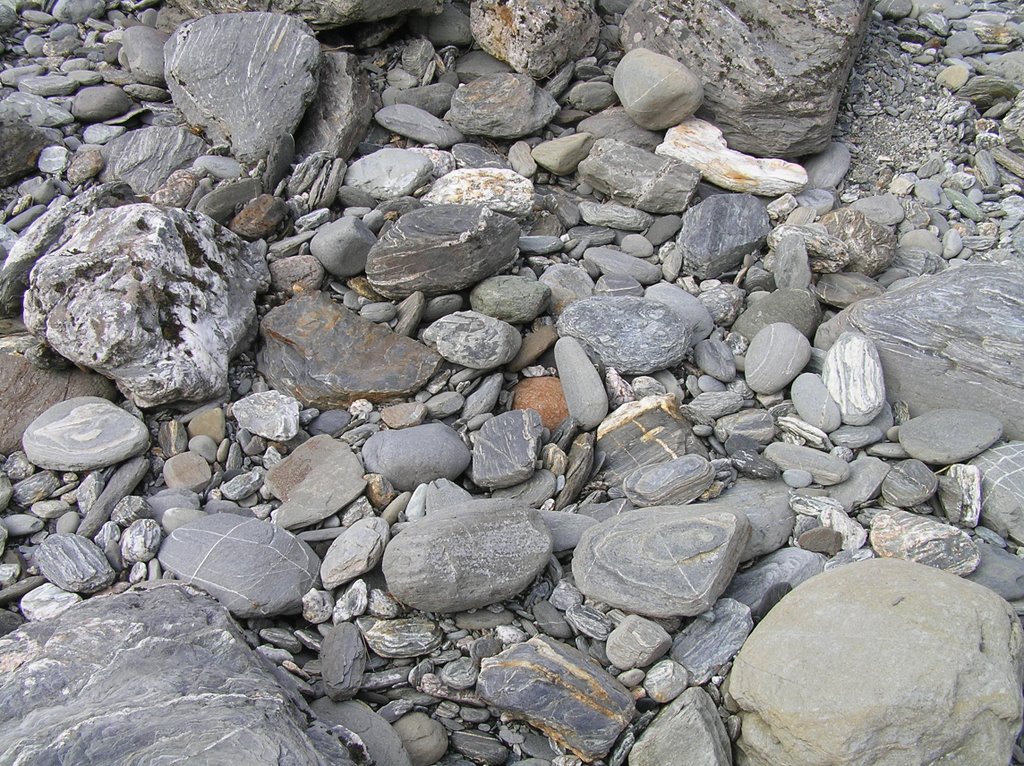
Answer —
537 382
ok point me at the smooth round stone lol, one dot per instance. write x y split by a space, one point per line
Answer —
813 402
418 124
656 91
188 470
205 446
562 155
413 456
637 245
100 102
827 169
882 208
77 11
173 518
54 159
22 524
425 739
389 173
143 49
474 340
582 386
269 414
852 373
342 246
675 482
797 478
510 299
776 355
82 434
949 436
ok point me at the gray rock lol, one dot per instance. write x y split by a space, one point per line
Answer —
559 691
609 326
825 468
252 114
948 436
685 557
582 386
827 168
73 563
474 340
506 448
632 176
871 245
319 15
354 552
389 173
144 158
193 698
614 123
716 359
143 49
899 534
842 290
762 586
413 456
254 568
381 740
909 483
967 350
441 249
636 642
713 639
84 433
419 125
614 216
814 404
863 484
20 146
466 557
435 99
999 571
608 260
1002 488
563 155
690 309
719 231
423 737
35 110
510 298
674 482
690 725
657 91
796 307
776 355
342 246
787 104
342 661
853 375
621 445
501 106
269 414
339 115
765 506
100 102
159 300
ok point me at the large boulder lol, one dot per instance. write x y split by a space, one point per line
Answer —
773 70
857 665
317 13
151 672
157 299
337 119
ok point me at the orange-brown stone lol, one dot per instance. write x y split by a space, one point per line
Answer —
543 395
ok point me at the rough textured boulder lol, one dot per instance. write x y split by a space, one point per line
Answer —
318 14
337 119
773 70
157 299
183 678
952 340
857 665
20 145
632 176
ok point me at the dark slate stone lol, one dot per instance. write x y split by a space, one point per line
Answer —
710 641
631 176
20 145
501 106
796 307
342 661
337 119
506 449
144 158
73 563
763 585
719 231
1000 571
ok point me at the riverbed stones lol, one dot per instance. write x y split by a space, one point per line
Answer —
826 469
661 561
636 642
871 245
632 176
501 106
506 449
463 558
762 586
909 483
304 339
208 62
269 414
717 233
441 249
510 298
814 404
498 189
649 431
853 375
413 456
317 479
254 568
418 124
873 654
146 158
558 690
389 173
949 436
674 482
1002 488
73 563
20 145
355 551
342 661
776 355
655 90
582 386
474 340
904 535
84 433
401 638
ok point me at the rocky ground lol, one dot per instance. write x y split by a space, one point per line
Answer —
410 383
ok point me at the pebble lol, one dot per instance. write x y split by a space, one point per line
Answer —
474 340
269 414
655 90
58 439
582 386
413 456
775 357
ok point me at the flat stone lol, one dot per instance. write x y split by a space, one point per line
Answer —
423 737
503 191
254 568
717 233
862 485
419 125
948 436
796 307
73 563
852 373
336 120
636 642
674 482
903 535
269 414
909 483
1002 488
776 355
610 261
765 506
354 552
380 737
842 290
559 691
623 441
614 123
632 176
762 586
562 155
342 661
690 309
691 725
143 49
999 571
614 216
84 433
414 456
705 645
506 448
825 468
655 90
388 173
305 340
582 386
510 298
501 106
145 158
474 340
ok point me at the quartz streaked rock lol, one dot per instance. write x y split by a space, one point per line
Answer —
853 375
560 691
718 232
1002 488
631 176
899 534
506 449
909 483
403 637
269 414
960 494
826 469
674 482
320 15
649 431
474 340
317 479
500 190
84 433
73 563
871 245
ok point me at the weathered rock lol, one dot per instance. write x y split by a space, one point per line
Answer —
317 479
254 568
558 690
506 449
418 124
690 725
145 158
73 563
159 300
474 340
510 298
903 535
765 505
614 123
853 375
326 356
342 661
909 483
825 468
339 115
632 176
764 584
84 433
623 441
711 641
404 637
563 155
500 190
655 90
20 145
871 245
254 112
948 436
441 249
796 307
773 73
636 642
380 737
674 482
390 173
501 106
871 655
1002 488
717 233
413 456
355 551
336 13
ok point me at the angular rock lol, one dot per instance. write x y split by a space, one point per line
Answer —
73 563
20 145
632 176
623 438
252 113
560 691
474 340
690 725
501 106
84 433
340 113
327 357
717 233
563 155
405 637
159 300
441 249
254 568
853 375
636 642
506 449
389 173
418 124
661 562
145 158
713 639
674 482
796 307
655 90
381 739
903 535
949 435
500 190
1002 488
269 414
413 456
871 245
342 661
764 584
776 355
355 551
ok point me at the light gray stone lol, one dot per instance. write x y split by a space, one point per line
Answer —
84 433
419 125
674 482
852 373
317 479
825 468
342 246
501 106
474 340
355 551
506 449
581 384
1002 488
713 639
413 456
269 414
947 436
763 585
144 158
655 90
814 404
690 725
636 642
389 173
776 355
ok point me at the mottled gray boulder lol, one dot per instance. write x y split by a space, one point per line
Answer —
253 567
689 725
73 563
612 326
441 249
412 456
665 561
1002 488
474 340
718 232
560 691
84 433
466 557
506 449
946 436
205 696
158 299
773 72
501 106
209 64
319 15
337 119
144 158
632 176
20 145
955 339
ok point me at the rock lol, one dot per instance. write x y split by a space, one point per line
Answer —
145 158
316 480
684 557
544 396
999 571
611 325
501 106
159 300
414 456
441 249
254 568
690 309
562 155
321 15
500 190
967 350
689 725
909 483
342 246
84 433
871 245
853 376
387 174
584 391
765 505
304 339
254 113
355 551
655 90
613 216
614 123
622 439
825 468
711 641
535 38
875 653
340 113
717 233
559 691
342 660
100 102
260 218
20 145
474 340
73 563
796 307
632 176
143 49
424 739
1002 488
636 642
464 558
674 482
405 637
419 125
269 414
949 436
814 404
510 298
381 739
506 449
899 534
193 698
701 144
776 355
611 262
762 586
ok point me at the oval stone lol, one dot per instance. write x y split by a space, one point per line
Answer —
675 482
852 373
413 456
84 433
775 357
944 437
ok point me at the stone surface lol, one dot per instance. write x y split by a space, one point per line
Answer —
853 376
796 307
474 340
20 145
871 655
389 173
705 645
674 482
159 300
903 535
661 562
655 90
342 246
423 737
441 249
506 449
317 479
510 298
340 113
254 568
632 176
642 433
948 436
825 468
814 404
145 158
582 386
498 189
355 551
560 691
326 356
73 563
563 155
380 737
762 586
690 725
413 456
1002 488
418 124
84 433
269 414
501 106
636 642
342 661
871 245
717 233
776 355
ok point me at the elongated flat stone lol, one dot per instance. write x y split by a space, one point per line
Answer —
674 482
949 435
852 373
317 479
903 535
74 564
355 551
825 468
84 433
144 158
